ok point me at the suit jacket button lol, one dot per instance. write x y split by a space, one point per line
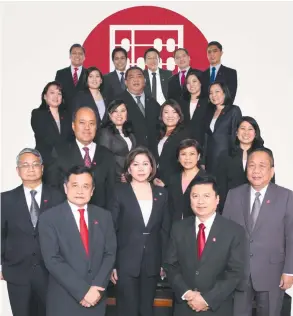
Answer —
89 271
251 255
33 253
197 272
251 240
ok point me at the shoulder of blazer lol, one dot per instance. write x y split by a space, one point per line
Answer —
64 70
179 227
227 69
11 193
165 72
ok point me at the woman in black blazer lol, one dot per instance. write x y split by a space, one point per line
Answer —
222 120
50 122
117 136
194 107
172 131
188 154
92 95
142 222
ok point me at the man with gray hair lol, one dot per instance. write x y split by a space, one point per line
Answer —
22 266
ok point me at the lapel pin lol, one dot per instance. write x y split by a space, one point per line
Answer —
61 117
268 201
155 199
94 163
45 201
96 222
214 239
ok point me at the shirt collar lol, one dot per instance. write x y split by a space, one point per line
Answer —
208 223
28 190
262 191
119 72
151 72
81 146
134 96
79 68
217 67
186 70
75 208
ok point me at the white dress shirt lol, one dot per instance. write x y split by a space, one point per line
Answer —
160 96
28 196
244 162
217 69
161 144
127 139
92 149
192 107
142 98
78 71
213 123
146 209
76 214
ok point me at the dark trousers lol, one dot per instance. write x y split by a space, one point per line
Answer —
29 299
286 309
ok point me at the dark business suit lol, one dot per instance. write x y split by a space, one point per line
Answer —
112 85
270 246
179 202
65 78
22 263
140 249
223 135
144 128
175 91
47 134
215 275
195 124
85 98
164 77
167 162
71 271
112 140
103 167
224 74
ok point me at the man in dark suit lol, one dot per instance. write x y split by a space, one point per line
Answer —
143 111
265 210
72 78
217 71
155 77
176 85
84 151
22 263
114 81
205 256
78 244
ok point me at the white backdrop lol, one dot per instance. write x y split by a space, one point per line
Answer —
257 41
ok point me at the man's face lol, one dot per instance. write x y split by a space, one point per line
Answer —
79 189
152 61
182 60
77 56
214 55
85 126
120 61
29 168
135 82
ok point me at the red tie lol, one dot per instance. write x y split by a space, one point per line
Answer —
84 234
182 80
87 158
201 240
75 78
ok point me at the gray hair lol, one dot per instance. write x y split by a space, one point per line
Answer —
29 151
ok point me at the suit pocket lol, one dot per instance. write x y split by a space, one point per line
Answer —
277 258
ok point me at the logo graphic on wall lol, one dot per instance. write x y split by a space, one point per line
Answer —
138 28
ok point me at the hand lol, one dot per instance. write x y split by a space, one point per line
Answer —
1 276
162 274
189 295
197 302
123 179
93 295
286 281
84 303
114 276
159 182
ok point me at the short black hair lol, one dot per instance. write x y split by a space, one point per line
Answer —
44 105
88 72
178 49
264 150
215 43
76 45
78 170
133 68
118 49
206 179
186 143
152 49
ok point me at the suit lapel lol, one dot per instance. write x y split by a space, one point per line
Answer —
158 198
246 208
135 206
147 82
220 73
70 77
76 156
53 122
80 82
116 81
95 234
24 218
191 244
222 116
164 82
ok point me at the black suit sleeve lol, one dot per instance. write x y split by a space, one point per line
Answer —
41 134
4 228
57 76
236 117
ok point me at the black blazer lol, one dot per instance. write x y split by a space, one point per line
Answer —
65 78
216 274
112 85
47 135
118 146
20 249
223 136
164 77
135 241
179 202
85 98
103 167
226 75
144 128
175 91
167 162
195 124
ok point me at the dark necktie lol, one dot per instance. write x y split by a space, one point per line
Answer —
213 75
87 158
140 105
84 233
75 78
201 240
182 80
122 81
154 86
255 210
34 209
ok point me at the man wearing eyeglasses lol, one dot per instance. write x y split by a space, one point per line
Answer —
22 266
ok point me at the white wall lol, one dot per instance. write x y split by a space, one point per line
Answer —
257 41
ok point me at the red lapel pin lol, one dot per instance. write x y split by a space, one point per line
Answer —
268 201
94 163
214 239
155 199
45 201
96 222
61 117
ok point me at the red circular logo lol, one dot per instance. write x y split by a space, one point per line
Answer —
138 28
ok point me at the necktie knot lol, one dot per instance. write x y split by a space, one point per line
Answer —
86 149
213 68
183 72
257 195
201 226
75 69
81 212
154 73
138 98
33 193
122 73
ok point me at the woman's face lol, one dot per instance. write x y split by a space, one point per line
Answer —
53 97
217 95
246 133
193 85
170 117
188 157
140 168
94 80
119 115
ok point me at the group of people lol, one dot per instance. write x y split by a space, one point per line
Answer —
140 174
